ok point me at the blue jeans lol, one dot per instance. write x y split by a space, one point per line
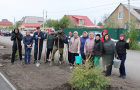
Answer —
122 67
36 52
73 57
27 53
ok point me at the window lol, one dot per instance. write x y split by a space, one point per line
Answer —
120 15
81 21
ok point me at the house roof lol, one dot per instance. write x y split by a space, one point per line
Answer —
32 19
87 21
133 10
5 21
31 24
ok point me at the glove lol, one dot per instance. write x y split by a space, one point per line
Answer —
36 37
78 52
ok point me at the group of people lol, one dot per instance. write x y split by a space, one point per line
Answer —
86 46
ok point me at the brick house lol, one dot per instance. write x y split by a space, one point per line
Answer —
120 17
5 23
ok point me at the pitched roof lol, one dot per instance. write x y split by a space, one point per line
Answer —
31 24
5 21
135 11
32 19
87 21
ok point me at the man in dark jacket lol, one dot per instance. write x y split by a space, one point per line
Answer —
97 51
38 36
16 38
59 38
50 43
121 47
67 42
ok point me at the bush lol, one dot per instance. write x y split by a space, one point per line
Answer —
87 77
133 34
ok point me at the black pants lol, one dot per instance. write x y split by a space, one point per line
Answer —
48 52
69 57
36 52
14 49
109 69
73 57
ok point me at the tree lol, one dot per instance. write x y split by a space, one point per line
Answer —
133 34
99 24
18 24
65 22
11 27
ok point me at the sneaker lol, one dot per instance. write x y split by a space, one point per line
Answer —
120 76
34 61
71 67
123 77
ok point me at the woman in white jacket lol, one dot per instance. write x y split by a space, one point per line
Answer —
74 45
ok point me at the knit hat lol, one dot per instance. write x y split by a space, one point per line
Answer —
98 35
122 35
60 29
52 30
75 32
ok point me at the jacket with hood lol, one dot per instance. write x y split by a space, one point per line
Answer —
62 37
74 44
89 46
82 43
109 51
98 48
17 36
41 34
102 38
121 47
50 41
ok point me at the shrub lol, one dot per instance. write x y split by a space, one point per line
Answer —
87 77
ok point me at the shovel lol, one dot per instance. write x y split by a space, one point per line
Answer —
45 56
38 64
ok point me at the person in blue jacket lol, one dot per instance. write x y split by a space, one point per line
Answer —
82 41
28 41
38 35
67 42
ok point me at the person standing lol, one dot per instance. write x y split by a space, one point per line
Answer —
67 42
121 47
59 39
82 43
50 43
16 38
73 47
28 41
104 32
98 50
39 35
108 54
89 46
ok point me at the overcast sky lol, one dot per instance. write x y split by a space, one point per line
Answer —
56 9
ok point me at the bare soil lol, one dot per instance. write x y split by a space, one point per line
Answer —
44 77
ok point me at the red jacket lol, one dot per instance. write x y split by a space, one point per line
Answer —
102 38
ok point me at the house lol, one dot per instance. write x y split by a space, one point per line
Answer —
28 26
5 23
120 16
81 21
32 19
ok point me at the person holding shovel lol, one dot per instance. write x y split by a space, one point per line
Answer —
121 47
16 38
98 49
59 39
28 41
38 37
50 43
74 46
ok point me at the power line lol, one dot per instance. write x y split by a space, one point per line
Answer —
88 8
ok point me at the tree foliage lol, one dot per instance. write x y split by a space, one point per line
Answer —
133 34
18 24
99 24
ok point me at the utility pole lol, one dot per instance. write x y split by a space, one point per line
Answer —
43 19
14 22
129 9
